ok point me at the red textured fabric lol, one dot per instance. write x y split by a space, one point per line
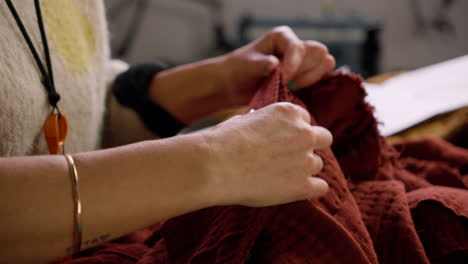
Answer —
387 204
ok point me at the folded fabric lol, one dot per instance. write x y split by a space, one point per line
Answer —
387 204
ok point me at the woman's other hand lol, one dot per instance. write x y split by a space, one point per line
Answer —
303 63
266 157
193 91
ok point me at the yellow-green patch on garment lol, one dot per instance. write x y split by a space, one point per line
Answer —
71 32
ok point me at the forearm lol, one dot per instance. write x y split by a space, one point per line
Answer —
192 91
122 190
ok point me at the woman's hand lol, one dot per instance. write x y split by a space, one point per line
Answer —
263 158
303 63
267 157
195 90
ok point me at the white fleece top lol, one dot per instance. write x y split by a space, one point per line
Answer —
78 40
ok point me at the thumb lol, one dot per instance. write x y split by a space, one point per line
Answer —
263 65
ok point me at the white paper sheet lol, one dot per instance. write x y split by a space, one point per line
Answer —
413 97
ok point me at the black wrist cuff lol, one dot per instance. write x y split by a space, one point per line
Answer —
131 90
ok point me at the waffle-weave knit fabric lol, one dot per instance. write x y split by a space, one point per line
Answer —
406 203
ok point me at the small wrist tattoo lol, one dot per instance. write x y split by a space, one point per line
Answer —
91 242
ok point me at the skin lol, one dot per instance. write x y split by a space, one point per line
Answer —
131 187
231 80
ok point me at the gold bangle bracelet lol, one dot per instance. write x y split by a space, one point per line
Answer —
78 226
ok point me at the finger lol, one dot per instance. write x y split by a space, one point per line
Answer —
316 72
291 50
316 47
302 113
314 55
323 137
290 110
316 187
316 163
262 65
292 61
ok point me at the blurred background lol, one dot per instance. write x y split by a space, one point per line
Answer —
412 53
368 36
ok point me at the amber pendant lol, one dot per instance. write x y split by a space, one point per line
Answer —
55 132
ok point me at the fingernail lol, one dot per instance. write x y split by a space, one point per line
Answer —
270 65
292 85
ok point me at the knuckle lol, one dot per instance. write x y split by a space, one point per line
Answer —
329 137
285 108
307 115
302 113
299 134
319 163
330 62
300 190
311 137
282 29
305 190
276 32
303 130
318 47
326 137
316 163
291 111
281 32
300 48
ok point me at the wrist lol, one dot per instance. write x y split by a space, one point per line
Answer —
229 81
215 166
194 171
191 91
210 191
223 78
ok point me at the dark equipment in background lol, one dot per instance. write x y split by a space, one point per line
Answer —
351 40
360 56
359 53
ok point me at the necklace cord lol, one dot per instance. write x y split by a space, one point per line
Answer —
47 74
